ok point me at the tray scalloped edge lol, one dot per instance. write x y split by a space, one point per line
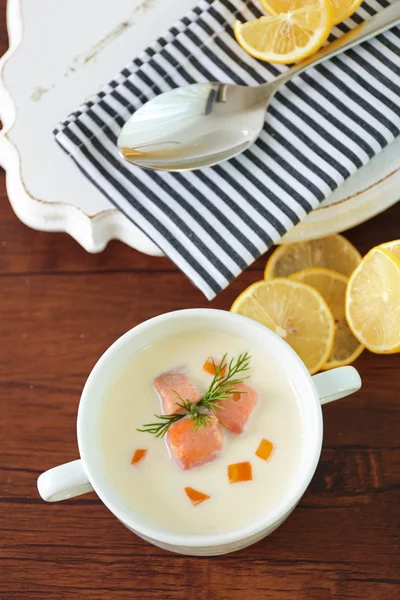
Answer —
92 232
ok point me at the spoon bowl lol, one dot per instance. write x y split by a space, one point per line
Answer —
203 124
193 126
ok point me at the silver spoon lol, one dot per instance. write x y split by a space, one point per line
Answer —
203 124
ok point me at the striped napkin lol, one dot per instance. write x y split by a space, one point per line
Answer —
319 129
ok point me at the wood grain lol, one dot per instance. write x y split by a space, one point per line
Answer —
60 308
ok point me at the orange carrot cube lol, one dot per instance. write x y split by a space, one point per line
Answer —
138 456
265 449
195 496
211 365
240 472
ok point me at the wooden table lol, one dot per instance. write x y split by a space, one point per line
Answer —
60 308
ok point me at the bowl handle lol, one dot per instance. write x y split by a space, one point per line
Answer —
65 481
337 383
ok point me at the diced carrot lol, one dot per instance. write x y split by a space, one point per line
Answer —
190 448
265 449
212 363
195 496
240 472
176 380
234 412
138 456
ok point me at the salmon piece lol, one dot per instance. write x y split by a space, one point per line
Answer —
176 380
234 412
240 472
265 449
190 448
195 496
212 363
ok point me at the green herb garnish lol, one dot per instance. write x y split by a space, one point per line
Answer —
221 388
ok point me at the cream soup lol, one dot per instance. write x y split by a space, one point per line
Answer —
154 488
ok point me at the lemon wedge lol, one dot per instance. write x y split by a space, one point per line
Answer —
373 302
392 247
288 36
341 8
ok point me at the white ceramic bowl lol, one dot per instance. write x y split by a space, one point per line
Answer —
81 476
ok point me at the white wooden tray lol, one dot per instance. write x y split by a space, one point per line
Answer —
61 53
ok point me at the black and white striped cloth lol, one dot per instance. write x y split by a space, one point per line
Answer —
319 130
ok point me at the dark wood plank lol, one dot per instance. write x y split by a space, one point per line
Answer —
60 308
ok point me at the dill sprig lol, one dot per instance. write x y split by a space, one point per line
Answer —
221 388
199 419
160 429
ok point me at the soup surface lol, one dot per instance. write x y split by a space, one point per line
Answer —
154 487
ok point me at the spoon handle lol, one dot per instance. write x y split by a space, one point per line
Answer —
389 17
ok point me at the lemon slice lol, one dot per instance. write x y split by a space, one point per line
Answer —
373 302
332 287
341 8
392 247
296 312
288 36
333 252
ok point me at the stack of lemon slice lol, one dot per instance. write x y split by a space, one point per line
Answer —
294 29
309 300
